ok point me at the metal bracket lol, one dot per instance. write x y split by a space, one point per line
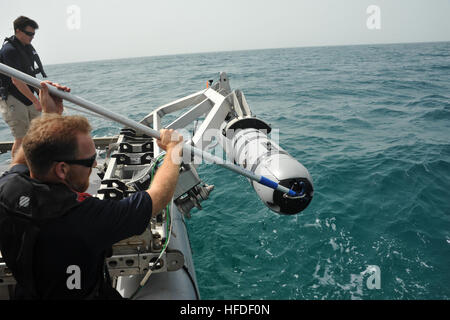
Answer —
132 264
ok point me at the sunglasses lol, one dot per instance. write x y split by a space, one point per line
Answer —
28 33
89 162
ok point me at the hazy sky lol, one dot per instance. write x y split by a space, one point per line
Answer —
120 29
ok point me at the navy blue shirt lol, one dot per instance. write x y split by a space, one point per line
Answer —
81 237
11 56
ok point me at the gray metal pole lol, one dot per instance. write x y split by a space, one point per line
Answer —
11 72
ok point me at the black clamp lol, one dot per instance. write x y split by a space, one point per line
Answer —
133 148
115 183
122 158
111 193
131 133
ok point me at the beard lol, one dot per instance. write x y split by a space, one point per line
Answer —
76 182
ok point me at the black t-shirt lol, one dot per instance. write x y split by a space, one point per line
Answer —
80 238
11 56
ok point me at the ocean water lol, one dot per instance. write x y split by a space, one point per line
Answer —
372 125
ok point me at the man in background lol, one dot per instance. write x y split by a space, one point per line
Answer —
18 104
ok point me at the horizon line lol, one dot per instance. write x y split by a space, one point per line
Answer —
241 50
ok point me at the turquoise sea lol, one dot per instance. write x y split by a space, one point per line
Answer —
372 125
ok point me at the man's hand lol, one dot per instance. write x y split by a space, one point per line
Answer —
169 139
51 104
171 142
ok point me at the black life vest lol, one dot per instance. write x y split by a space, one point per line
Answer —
26 204
28 59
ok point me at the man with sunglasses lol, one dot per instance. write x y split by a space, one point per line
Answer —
18 103
47 231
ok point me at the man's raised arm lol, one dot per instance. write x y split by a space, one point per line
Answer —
50 104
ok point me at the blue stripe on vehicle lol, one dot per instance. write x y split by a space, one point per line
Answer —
268 182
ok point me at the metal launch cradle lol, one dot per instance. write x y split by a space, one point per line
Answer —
130 162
